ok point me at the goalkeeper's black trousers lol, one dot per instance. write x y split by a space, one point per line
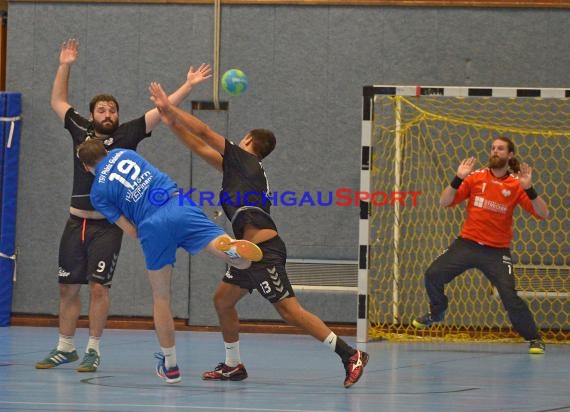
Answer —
496 265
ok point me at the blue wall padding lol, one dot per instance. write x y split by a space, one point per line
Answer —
10 128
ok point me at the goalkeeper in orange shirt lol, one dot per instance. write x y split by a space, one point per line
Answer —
484 243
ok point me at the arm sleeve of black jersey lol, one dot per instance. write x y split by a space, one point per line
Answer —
77 125
136 130
232 153
226 155
227 147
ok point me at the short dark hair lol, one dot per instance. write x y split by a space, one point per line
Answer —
263 142
91 151
102 98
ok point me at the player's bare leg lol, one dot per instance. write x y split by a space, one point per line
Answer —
226 298
160 282
353 360
69 310
98 312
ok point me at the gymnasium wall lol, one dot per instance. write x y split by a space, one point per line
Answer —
307 66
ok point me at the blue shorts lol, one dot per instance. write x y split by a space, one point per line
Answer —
173 226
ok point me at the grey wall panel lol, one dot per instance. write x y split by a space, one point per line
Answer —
306 160
551 64
306 67
332 306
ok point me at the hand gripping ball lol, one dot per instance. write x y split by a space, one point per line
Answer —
234 82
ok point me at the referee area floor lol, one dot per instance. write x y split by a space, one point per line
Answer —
287 373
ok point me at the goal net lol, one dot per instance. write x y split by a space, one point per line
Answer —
413 139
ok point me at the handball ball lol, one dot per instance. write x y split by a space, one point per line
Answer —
234 82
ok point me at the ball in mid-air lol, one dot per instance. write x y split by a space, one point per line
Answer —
234 82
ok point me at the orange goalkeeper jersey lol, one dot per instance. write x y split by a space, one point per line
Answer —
491 202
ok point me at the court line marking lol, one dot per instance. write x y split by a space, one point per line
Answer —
156 406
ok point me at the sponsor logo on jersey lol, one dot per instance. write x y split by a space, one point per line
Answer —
483 203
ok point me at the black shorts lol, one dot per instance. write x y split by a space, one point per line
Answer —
88 251
267 276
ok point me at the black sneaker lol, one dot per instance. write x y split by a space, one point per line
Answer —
223 372
536 347
427 320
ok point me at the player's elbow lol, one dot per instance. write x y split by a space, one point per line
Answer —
55 103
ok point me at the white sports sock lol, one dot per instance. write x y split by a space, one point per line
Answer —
232 353
93 344
330 341
65 343
169 356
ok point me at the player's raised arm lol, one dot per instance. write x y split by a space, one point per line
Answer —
59 92
525 179
448 194
193 78
171 117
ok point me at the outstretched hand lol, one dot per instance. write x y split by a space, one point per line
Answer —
202 73
160 99
525 176
69 51
466 167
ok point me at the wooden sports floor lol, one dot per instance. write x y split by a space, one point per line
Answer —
287 373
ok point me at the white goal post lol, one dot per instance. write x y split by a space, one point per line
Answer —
370 94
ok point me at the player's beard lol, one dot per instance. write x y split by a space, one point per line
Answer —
107 127
495 162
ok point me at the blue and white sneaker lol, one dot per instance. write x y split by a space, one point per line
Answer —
169 375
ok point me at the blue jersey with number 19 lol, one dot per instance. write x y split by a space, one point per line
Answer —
127 184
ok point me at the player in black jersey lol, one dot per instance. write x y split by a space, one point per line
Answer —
243 174
90 245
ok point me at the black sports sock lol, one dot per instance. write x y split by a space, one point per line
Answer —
344 350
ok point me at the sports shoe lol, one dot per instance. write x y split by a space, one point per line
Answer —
91 361
56 358
427 320
170 375
536 347
355 367
224 372
239 248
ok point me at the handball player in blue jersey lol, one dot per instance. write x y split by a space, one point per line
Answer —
144 202
243 172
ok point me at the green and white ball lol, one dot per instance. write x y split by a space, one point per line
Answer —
234 82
